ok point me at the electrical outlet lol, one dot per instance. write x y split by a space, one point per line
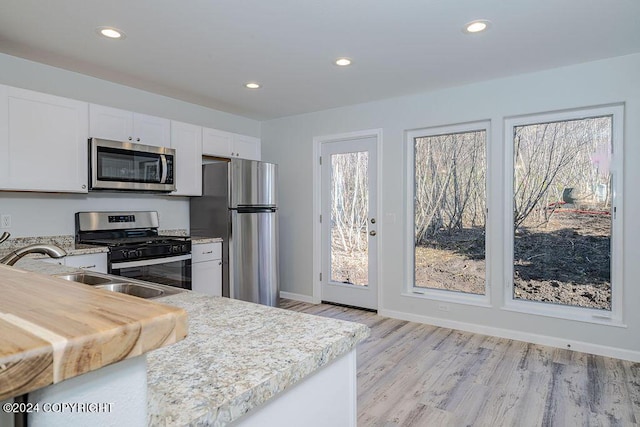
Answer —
5 221
444 307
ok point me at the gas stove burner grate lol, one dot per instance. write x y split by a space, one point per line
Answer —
140 241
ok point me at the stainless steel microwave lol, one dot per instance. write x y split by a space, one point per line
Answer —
125 166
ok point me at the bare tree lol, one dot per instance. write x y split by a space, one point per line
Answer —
551 157
350 199
450 176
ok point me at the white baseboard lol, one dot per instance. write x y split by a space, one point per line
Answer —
297 297
601 350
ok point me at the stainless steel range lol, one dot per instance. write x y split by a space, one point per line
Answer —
136 250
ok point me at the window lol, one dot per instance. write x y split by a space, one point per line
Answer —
449 210
565 204
349 254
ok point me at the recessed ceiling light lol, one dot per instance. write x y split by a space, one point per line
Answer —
476 26
252 85
110 32
343 62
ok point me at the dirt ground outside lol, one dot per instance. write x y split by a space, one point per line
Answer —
566 261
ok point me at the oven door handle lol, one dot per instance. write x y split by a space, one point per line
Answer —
143 262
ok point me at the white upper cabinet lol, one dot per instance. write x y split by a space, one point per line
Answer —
43 142
110 123
121 125
216 142
231 145
186 139
151 130
246 147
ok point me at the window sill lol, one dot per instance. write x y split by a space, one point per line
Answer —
449 296
565 312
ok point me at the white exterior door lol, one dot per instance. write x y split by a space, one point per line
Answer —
349 222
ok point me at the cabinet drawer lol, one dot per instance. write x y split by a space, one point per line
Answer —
93 262
206 252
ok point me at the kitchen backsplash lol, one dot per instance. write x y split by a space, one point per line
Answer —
44 214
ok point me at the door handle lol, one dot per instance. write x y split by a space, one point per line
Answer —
372 233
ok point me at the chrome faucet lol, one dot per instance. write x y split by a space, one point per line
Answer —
51 250
4 236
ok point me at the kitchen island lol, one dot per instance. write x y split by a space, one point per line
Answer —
241 358
64 342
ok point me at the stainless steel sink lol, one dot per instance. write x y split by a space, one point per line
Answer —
86 278
123 285
134 289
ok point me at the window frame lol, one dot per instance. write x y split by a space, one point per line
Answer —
584 314
410 289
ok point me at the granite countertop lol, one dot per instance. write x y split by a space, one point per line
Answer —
52 329
237 356
65 242
196 240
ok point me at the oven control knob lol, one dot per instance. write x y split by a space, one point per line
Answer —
184 248
133 254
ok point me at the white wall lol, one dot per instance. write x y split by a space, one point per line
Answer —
49 214
52 214
288 141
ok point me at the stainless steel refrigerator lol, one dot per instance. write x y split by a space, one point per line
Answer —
239 204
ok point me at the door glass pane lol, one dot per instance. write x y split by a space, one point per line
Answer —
349 218
450 212
562 212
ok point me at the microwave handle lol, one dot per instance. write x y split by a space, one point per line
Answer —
163 159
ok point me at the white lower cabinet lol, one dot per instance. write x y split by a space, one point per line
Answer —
92 262
327 397
117 393
206 268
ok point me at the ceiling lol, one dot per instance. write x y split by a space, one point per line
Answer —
203 51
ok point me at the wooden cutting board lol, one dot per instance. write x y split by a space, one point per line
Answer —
52 329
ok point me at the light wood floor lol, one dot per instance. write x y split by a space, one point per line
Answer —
410 374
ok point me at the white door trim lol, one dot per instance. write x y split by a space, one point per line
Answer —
317 207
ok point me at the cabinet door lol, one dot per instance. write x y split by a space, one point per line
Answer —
110 123
216 142
186 139
202 252
246 147
92 262
151 130
45 144
206 268
206 277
